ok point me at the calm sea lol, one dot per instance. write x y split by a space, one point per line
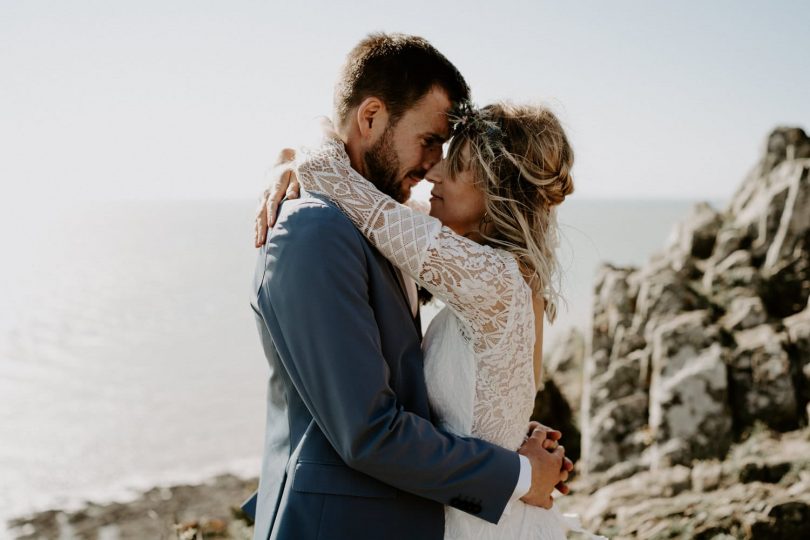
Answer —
128 351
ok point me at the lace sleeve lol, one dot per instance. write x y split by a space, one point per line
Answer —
477 281
423 207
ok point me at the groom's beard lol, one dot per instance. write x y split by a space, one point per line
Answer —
382 167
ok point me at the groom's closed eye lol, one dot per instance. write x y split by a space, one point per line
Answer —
433 139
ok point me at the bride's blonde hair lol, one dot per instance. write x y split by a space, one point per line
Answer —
521 159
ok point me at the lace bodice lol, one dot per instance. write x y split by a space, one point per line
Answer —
482 286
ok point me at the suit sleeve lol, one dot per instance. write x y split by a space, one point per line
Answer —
318 294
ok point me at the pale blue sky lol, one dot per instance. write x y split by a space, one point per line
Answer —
154 99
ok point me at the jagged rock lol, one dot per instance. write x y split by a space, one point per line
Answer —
762 381
610 432
706 344
688 392
695 235
783 144
729 239
623 469
595 364
786 287
706 475
569 354
648 484
662 295
565 366
795 216
798 331
622 379
613 305
786 268
744 313
625 342
731 278
788 520
614 407
755 209
759 471
678 340
774 211
207 510
706 501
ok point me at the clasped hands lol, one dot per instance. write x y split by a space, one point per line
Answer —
550 467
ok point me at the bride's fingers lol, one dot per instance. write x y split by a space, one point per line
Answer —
272 208
294 190
260 223
257 233
261 231
539 433
261 220
283 188
565 473
550 432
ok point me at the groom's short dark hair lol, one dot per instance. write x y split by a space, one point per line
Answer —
399 70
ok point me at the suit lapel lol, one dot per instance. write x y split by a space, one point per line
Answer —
397 275
401 282
403 289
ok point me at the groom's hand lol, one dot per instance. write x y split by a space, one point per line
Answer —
547 467
551 442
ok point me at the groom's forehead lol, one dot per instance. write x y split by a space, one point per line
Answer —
436 125
433 126
429 114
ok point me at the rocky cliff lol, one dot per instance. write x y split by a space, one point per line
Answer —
706 344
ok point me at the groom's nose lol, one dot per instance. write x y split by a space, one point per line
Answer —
432 156
435 174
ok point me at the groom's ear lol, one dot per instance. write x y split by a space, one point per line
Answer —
372 118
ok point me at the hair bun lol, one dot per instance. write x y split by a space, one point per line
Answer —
559 188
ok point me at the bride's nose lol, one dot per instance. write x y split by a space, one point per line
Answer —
436 173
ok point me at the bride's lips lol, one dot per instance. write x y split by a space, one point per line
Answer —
434 196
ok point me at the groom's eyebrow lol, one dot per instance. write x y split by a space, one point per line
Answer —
435 138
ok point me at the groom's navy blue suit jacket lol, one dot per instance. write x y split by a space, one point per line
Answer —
350 451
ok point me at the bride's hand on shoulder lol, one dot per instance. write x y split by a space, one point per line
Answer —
283 184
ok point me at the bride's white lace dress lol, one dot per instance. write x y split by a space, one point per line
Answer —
478 349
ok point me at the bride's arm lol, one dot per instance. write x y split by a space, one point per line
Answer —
423 207
477 281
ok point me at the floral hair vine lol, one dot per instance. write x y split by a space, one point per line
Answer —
470 120
467 118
